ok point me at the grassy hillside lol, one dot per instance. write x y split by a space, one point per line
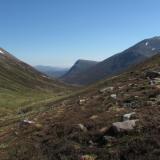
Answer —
20 84
80 125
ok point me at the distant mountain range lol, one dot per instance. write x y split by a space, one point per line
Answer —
113 65
79 67
51 71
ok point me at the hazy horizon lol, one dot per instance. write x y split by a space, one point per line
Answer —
59 32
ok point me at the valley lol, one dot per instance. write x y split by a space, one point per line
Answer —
79 80
21 86
80 126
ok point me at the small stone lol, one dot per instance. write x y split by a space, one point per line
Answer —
103 130
27 122
114 96
128 116
107 89
82 101
93 117
82 127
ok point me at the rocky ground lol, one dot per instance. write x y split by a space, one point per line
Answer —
116 119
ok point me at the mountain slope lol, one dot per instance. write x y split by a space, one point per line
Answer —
52 71
119 62
79 67
82 125
21 84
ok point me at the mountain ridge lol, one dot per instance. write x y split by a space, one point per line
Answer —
52 71
79 66
118 62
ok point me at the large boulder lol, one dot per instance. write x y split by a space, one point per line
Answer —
126 126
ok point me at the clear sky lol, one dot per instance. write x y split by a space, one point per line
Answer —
58 32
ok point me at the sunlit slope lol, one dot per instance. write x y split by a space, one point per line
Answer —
21 84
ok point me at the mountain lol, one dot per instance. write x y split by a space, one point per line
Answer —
115 119
21 84
79 67
118 63
52 71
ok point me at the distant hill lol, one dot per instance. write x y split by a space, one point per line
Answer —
52 71
79 67
21 84
118 63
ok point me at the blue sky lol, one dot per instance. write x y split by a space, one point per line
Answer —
58 32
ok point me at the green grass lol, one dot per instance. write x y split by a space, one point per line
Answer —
21 86
12 101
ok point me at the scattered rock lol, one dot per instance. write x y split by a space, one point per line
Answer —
131 85
107 89
114 96
103 130
93 117
82 101
121 87
28 122
126 126
92 143
128 116
25 123
152 83
88 157
82 127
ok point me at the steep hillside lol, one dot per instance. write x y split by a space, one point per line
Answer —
79 67
119 62
21 84
52 71
115 119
